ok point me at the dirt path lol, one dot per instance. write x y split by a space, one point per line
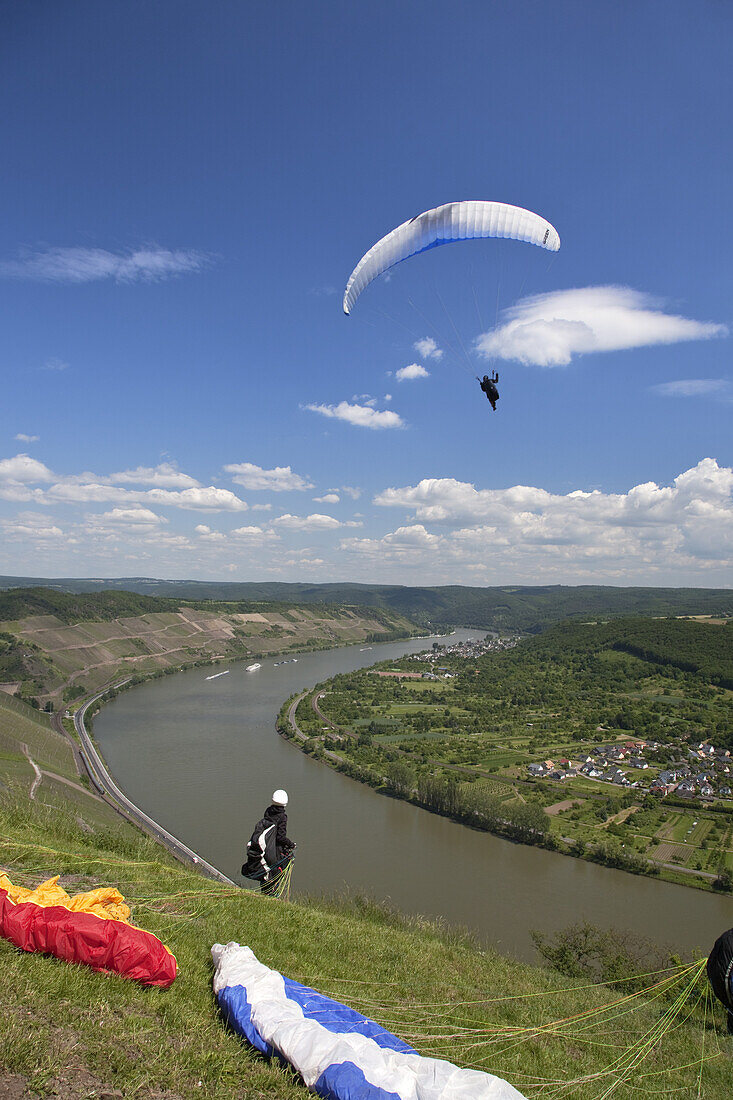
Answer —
36 769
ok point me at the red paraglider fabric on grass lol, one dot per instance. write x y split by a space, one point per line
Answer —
79 937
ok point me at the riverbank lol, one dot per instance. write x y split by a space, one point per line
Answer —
180 745
516 822
607 743
67 1031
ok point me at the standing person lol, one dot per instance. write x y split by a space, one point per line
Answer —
269 849
720 972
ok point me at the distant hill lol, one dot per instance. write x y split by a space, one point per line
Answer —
57 646
684 644
512 607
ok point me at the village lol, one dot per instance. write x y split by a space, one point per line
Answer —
706 774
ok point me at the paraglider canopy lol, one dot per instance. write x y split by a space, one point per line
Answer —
454 221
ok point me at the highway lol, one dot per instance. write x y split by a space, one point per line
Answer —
105 785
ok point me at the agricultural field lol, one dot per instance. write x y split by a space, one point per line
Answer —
609 698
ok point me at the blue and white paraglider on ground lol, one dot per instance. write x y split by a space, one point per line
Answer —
339 1053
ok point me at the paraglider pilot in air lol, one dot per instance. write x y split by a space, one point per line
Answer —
269 849
488 385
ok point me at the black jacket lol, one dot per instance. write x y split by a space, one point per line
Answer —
268 844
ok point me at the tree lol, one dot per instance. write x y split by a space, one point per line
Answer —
724 881
400 778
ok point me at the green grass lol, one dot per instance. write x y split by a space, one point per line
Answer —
430 985
21 723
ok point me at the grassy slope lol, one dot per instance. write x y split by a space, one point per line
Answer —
21 725
66 1028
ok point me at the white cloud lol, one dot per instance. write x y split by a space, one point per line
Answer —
165 475
31 526
548 330
23 468
414 370
352 491
19 474
85 265
247 532
278 480
427 348
135 516
21 437
55 365
329 498
362 416
649 528
315 522
693 387
208 535
203 499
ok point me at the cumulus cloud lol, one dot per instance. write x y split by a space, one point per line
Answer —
278 480
23 469
329 498
679 533
203 499
204 532
30 526
427 348
136 516
652 526
22 476
693 387
315 522
21 437
362 416
549 330
251 532
414 370
165 475
54 364
86 265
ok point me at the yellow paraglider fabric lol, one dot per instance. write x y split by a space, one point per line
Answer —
91 928
105 902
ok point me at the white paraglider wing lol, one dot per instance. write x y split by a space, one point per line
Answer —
454 221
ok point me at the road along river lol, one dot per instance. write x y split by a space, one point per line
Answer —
202 757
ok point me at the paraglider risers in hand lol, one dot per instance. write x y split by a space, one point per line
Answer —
277 884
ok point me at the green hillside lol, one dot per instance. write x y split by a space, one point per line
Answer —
57 646
27 738
511 607
67 1031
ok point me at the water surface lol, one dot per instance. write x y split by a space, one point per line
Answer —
202 758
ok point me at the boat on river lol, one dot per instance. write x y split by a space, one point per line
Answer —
218 674
253 668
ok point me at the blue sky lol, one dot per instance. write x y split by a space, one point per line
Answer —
186 190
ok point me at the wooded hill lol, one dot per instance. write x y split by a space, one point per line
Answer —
528 609
702 648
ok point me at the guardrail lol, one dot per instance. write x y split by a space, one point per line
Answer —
105 785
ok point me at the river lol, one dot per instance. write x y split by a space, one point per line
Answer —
202 758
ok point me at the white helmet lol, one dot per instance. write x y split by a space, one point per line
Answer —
280 798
